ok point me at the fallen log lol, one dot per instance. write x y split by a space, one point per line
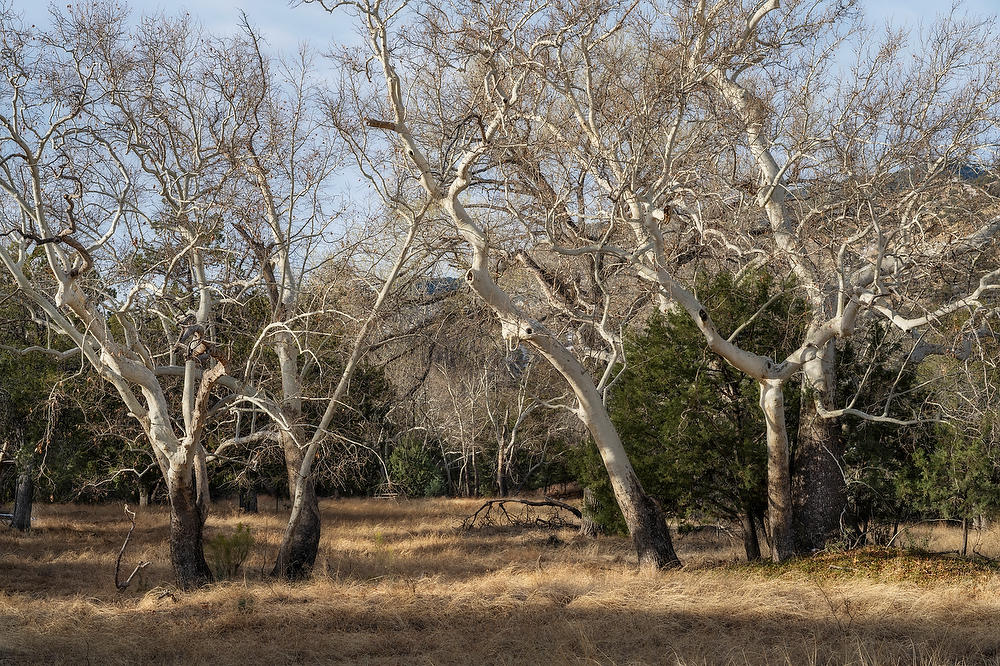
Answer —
494 513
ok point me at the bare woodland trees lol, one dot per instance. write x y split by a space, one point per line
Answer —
287 156
480 408
861 197
460 147
115 174
284 164
830 233
168 210
726 133
71 195
129 167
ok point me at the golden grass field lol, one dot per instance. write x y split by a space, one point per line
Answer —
399 583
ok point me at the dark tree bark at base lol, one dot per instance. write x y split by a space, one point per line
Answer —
187 552
297 554
23 499
751 544
651 536
818 489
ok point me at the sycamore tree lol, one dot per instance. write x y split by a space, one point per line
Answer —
173 181
112 174
286 155
429 132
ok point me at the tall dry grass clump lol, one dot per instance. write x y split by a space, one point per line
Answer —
398 583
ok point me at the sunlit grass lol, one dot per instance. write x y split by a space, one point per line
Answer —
398 582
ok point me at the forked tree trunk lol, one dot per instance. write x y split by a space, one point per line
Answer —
300 544
779 490
819 492
23 498
187 552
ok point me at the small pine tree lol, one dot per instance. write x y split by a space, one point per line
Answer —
957 477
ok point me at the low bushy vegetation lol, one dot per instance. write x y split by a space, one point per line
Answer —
226 552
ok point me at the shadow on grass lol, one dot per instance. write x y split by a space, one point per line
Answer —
436 629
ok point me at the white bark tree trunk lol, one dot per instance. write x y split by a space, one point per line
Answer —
643 516
779 489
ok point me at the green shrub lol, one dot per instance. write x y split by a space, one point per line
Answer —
417 470
227 552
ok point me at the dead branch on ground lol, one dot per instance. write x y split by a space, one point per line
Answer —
122 585
494 513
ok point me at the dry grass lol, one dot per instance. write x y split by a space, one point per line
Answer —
398 583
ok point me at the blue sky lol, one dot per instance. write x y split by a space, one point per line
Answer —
912 11
285 26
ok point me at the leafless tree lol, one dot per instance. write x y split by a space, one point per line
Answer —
679 137
443 125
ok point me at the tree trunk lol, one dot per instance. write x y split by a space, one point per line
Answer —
300 544
650 533
187 553
965 537
143 494
819 492
779 490
501 475
248 500
750 542
643 516
588 527
23 498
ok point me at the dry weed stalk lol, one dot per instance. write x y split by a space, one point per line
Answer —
122 585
